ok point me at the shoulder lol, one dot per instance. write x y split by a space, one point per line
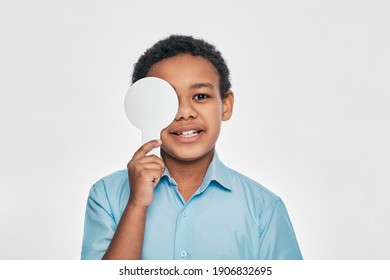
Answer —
241 181
260 202
249 187
110 193
114 178
111 185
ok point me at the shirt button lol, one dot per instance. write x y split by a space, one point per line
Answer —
183 254
184 214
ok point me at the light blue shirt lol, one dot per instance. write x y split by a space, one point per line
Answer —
229 217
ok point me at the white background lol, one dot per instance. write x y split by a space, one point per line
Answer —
311 119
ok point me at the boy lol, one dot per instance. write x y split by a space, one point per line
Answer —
186 204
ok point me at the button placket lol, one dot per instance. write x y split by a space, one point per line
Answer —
184 234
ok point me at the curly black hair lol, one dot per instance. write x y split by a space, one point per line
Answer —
182 44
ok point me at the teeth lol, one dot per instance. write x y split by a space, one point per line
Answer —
189 133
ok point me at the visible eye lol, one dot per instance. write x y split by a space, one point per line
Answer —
200 96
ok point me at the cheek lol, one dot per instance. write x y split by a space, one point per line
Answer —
213 112
163 134
213 118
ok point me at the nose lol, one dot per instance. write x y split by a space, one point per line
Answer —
186 111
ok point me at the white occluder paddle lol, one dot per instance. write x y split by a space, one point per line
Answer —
151 105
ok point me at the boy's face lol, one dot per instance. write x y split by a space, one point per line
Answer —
195 129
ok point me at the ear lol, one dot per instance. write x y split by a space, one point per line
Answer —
227 103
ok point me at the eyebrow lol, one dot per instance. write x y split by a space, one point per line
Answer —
201 85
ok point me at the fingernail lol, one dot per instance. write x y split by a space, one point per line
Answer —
159 141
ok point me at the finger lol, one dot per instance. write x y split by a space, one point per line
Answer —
152 159
145 167
147 159
148 176
155 178
147 147
151 175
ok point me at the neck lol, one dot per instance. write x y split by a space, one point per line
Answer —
187 174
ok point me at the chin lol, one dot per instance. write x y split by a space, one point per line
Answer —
187 154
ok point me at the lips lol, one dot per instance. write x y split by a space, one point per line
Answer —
186 130
188 133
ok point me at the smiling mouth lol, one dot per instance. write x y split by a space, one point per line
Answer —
188 134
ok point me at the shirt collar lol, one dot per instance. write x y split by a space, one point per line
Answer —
216 171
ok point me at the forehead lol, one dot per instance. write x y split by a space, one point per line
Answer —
184 70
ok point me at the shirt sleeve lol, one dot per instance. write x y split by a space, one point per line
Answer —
277 240
99 224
